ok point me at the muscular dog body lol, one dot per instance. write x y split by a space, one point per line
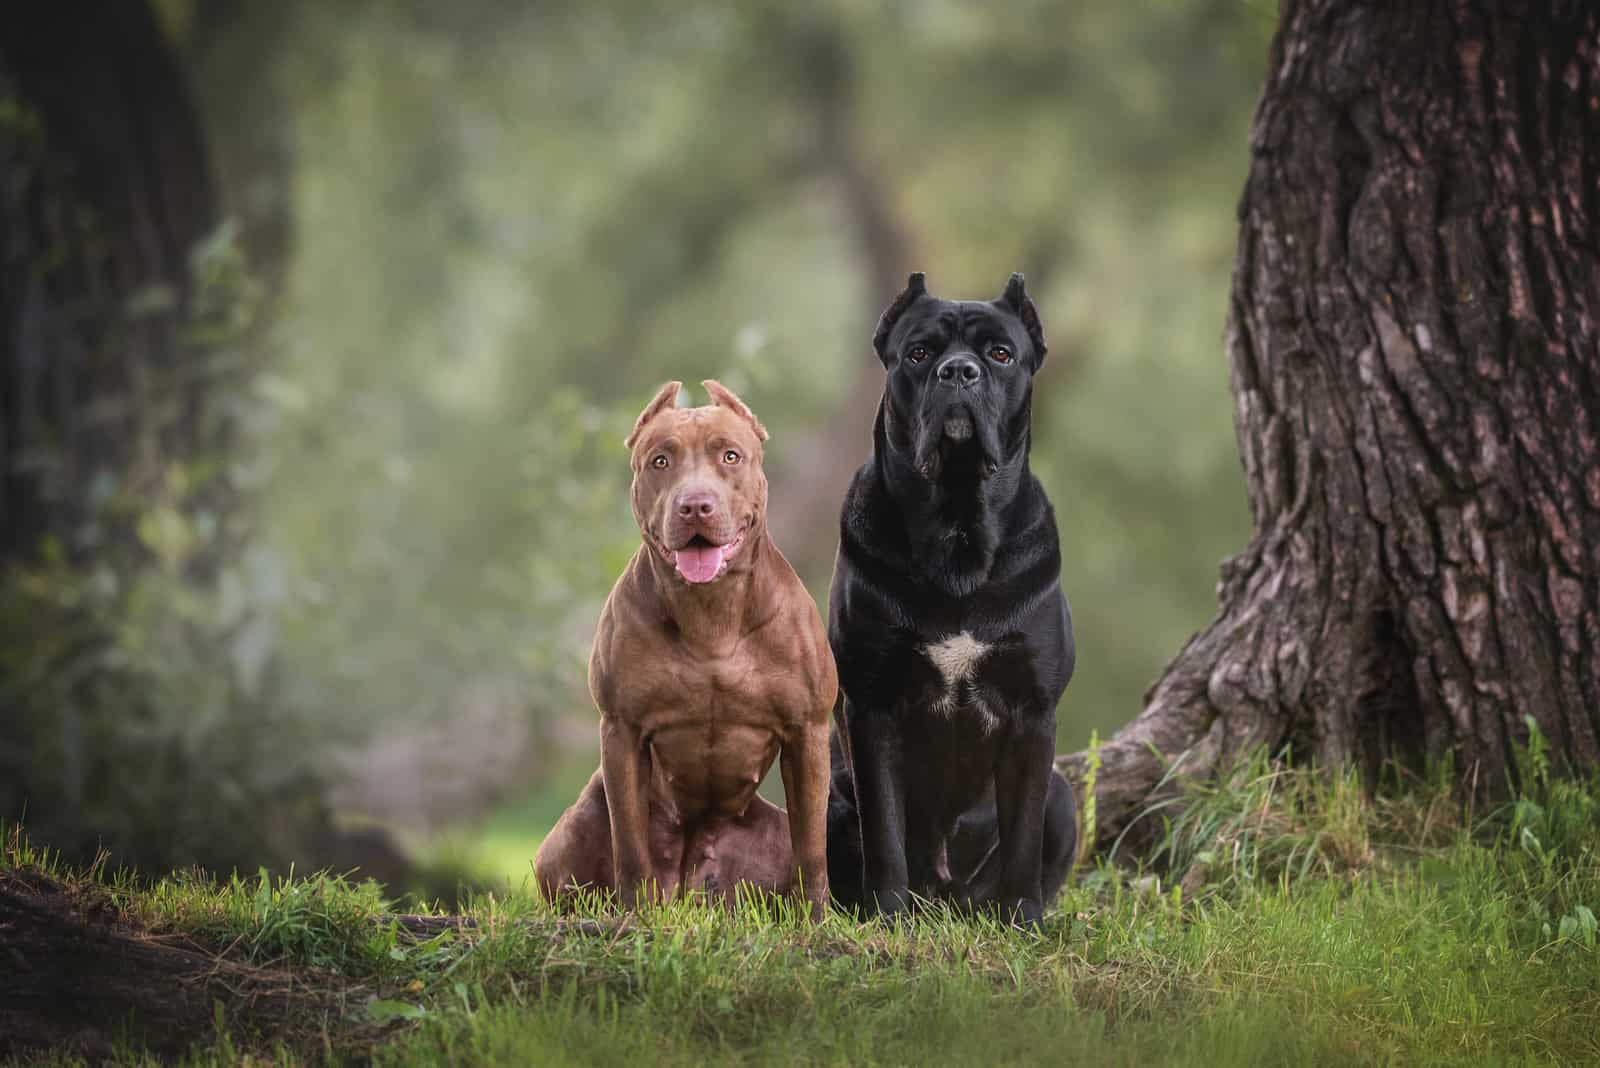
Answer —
952 637
710 661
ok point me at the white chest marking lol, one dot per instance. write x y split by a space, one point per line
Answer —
956 659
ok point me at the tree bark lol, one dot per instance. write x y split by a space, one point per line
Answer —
1412 339
107 189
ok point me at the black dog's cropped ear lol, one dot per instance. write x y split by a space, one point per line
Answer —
723 397
666 397
915 289
1016 297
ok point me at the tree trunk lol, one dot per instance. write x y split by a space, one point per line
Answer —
818 465
1413 346
107 189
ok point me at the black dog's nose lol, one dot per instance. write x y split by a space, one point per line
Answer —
960 371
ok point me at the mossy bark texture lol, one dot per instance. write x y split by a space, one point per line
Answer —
1414 346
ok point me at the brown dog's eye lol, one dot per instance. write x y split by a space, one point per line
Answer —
730 457
659 461
917 353
999 354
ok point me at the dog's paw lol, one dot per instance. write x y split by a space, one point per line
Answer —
891 904
636 893
1022 912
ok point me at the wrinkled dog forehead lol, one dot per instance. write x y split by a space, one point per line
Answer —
968 319
1011 316
726 416
694 428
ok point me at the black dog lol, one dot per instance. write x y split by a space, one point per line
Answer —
947 620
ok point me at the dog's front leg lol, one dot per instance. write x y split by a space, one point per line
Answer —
880 798
626 775
1022 778
805 767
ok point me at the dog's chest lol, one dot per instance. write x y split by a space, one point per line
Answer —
742 689
958 661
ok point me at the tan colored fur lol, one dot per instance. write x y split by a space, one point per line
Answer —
701 687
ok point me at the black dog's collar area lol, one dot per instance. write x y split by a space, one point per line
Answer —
952 451
955 462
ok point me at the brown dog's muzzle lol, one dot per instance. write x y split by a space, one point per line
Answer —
702 535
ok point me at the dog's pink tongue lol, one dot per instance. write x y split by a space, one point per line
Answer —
699 564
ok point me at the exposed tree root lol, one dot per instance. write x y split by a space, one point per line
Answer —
1412 343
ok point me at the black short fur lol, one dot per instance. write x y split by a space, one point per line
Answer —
946 617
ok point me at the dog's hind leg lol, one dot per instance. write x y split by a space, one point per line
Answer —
846 870
1060 837
752 851
970 851
974 848
576 854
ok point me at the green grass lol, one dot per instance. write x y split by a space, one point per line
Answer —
1295 921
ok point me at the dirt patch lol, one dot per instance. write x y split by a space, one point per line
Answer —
78 975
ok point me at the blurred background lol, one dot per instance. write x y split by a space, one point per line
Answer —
445 254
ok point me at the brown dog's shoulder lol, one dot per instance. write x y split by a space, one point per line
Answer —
619 638
803 645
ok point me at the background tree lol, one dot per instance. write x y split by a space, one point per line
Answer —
138 711
110 188
598 196
1413 339
485 229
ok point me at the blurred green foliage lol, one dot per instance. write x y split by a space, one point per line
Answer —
508 224
512 223
137 644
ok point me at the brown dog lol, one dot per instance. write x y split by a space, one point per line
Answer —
709 662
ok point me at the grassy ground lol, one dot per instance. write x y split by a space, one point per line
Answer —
1300 923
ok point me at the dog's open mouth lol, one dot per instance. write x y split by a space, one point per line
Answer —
701 561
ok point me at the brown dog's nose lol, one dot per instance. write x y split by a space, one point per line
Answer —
697 504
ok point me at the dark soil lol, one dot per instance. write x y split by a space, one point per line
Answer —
77 975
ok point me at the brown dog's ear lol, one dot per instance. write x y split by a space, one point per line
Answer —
723 397
666 397
915 289
1016 298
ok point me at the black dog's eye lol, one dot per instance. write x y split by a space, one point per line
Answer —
730 457
917 353
999 354
659 461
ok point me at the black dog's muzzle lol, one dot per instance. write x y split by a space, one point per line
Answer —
957 426
962 373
